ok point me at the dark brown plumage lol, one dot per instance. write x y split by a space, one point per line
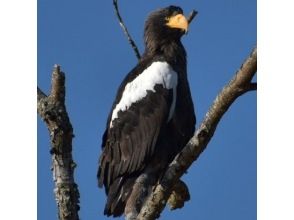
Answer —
152 117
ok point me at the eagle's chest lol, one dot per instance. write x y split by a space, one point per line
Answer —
158 75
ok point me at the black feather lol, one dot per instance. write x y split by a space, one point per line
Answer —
141 137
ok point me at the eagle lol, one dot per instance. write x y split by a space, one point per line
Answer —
152 117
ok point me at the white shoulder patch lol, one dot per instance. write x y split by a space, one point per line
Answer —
157 73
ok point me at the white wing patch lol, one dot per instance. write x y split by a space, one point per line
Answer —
157 73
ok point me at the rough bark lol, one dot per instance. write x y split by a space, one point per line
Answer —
240 84
53 112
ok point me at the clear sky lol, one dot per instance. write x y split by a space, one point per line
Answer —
84 37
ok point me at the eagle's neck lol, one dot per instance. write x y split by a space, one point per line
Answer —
171 51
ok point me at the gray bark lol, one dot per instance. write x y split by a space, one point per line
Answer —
53 112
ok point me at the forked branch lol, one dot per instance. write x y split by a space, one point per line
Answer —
53 112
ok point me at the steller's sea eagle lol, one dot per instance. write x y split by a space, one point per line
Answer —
152 117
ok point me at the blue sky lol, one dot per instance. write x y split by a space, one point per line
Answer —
85 39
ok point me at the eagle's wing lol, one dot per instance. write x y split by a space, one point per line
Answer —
136 121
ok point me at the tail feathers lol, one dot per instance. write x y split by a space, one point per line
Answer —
119 191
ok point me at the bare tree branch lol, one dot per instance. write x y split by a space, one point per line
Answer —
240 84
125 30
53 112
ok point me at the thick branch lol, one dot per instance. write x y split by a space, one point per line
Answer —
125 30
240 84
53 112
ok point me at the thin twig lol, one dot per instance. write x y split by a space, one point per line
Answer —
125 30
192 15
197 144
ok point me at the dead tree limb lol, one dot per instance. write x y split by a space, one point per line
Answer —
53 112
240 84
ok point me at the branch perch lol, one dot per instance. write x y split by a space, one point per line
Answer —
240 84
53 112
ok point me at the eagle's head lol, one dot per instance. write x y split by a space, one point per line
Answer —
164 26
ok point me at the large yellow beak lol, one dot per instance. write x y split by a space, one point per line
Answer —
178 21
